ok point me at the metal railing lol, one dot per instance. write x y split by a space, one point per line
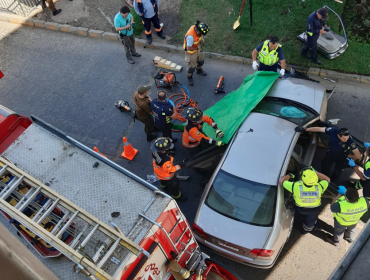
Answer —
18 7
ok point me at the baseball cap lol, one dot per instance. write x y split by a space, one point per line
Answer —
343 132
143 89
323 13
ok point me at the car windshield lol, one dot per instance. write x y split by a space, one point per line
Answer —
285 109
243 200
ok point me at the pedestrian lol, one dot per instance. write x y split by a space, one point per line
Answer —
143 111
347 208
364 182
124 22
341 147
164 168
51 7
164 111
269 53
315 22
193 134
193 46
307 195
148 11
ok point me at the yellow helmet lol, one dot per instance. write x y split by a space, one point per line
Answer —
309 177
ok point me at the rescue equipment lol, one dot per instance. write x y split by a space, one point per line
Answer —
220 85
123 106
165 79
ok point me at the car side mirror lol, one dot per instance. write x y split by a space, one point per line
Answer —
335 121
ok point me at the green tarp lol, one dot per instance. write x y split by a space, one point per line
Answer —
230 112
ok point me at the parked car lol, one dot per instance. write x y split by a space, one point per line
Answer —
244 215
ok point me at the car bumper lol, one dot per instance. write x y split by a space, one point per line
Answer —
258 263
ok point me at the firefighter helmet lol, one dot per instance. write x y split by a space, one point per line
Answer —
309 176
162 144
192 114
202 27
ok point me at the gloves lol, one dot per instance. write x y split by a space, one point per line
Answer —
219 143
282 72
366 144
351 162
219 133
300 129
291 175
255 65
342 190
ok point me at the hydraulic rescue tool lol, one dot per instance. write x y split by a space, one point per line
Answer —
123 106
165 79
220 86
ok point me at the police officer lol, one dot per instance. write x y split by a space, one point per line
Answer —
193 132
315 22
164 168
143 111
307 195
347 211
341 144
269 53
364 182
193 46
164 111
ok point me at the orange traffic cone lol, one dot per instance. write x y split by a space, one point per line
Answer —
128 151
97 151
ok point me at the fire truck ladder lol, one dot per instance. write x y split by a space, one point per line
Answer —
92 262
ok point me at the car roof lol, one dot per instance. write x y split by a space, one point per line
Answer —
259 155
302 91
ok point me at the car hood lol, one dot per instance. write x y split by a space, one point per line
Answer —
231 231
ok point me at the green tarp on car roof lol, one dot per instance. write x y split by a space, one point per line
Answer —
233 109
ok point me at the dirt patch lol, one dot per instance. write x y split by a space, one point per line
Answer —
354 20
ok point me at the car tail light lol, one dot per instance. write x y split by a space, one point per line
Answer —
261 253
199 230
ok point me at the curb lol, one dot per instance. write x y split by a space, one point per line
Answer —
82 31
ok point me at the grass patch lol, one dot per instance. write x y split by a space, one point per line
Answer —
139 27
283 18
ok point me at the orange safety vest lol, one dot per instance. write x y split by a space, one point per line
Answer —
197 39
193 133
166 171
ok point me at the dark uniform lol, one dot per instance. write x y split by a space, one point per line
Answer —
162 112
337 154
277 52
143 113
314 25
365 184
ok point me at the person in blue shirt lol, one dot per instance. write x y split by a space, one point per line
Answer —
123 23
315 22
164 111
341 147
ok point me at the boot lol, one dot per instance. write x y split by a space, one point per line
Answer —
330 240
136 55
151 137
149 40
57 12
201 72
130 60
190 80
162 36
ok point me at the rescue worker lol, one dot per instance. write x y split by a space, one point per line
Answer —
341 144
143 112
347 211
164 111
51 6
315 22
269 53
193 132
307 195
148 11
164 168
364 182
193 46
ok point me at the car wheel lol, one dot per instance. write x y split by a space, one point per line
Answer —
290 230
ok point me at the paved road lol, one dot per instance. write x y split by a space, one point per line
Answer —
73 82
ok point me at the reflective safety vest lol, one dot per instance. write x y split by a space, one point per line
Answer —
307 197
193 132
197 39
166 171
266 57
350 213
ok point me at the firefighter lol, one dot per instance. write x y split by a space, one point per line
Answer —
193 132
341 144
148 11
193 46
164 111
269 53
164 168
307 195
315 22
364 182
347 211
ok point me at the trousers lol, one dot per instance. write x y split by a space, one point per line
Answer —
51 5
264 67
311 46
194 61
129 44
340 164
166 129
148 125
347 231
174 186
148 25
310 215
